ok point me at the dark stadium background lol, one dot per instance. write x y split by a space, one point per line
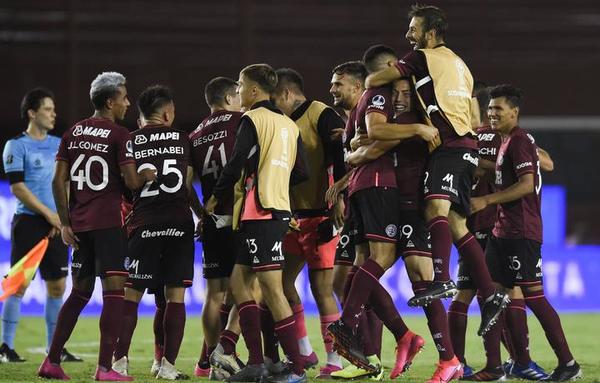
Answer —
549 48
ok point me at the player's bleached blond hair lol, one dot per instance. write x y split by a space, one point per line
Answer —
104 86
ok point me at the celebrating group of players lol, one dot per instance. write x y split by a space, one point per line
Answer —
423 161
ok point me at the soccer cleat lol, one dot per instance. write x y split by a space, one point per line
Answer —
446 371
351 372
348 345
288 377
169 372
110 376
274 368
155 367
530 372
219 359
310 361
407 347
565 373
202 371
467 370
10 355
66 356
50 370
217 373
435 290
492 307
121 366
325 371
250 373
487 375
507 367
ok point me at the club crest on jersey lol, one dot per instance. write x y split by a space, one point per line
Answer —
140 139
391 230
378 101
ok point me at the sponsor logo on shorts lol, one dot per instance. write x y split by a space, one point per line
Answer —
463 278
212 265
131 264
76 265
410 244
471 159
277 258
140 276
162 233
255 260
391 230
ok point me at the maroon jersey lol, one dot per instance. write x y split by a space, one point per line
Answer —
522 218
212 144
164 201
414 64
411 158
488 144
95 148
380 172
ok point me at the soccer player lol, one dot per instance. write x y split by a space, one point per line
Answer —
267 150
374 202
161 247
212 145
444 85
92 157
410 157
481 224
514 250
347 85
29 166
316 240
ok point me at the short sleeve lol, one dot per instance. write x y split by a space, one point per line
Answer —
124 147
13 157
411 64
522 152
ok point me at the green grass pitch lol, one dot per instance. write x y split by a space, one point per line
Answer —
580 330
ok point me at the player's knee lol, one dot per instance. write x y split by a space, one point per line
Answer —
532 290
56 289
437 208
21 291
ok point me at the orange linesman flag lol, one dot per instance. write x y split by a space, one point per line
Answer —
23 271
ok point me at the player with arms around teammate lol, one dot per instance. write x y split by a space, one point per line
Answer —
514 250
212 144
161 246
444 85
29 166
315 242
94 158
266 153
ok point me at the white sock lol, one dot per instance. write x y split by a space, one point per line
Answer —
305 346
334 359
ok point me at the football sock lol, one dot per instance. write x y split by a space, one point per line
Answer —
250 324
129 320
441 244
11 311
174 324
473 257
51 309
67 318
110 325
